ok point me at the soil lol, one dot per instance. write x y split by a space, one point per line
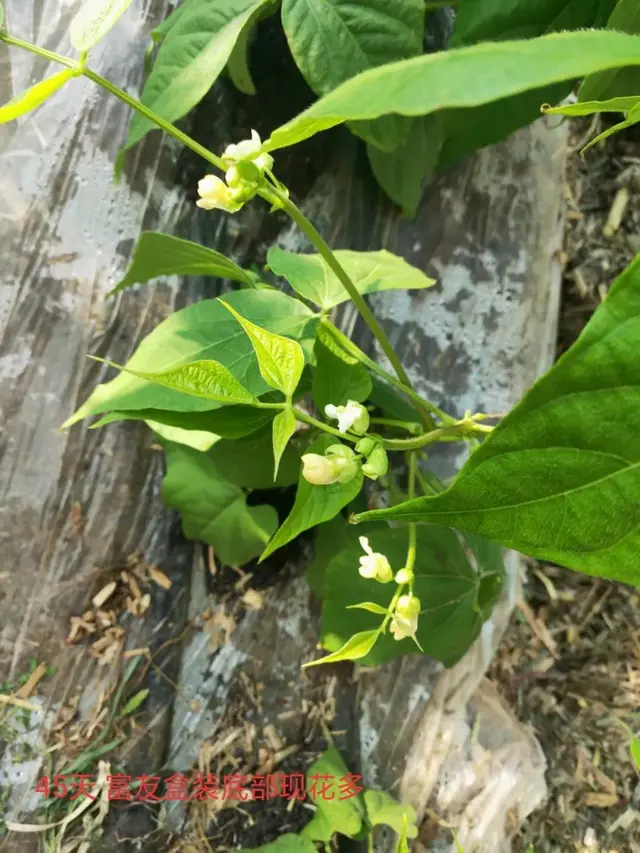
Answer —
569 664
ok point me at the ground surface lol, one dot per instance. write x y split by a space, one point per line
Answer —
570 662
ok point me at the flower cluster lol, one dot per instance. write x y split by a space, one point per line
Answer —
404 616
246 165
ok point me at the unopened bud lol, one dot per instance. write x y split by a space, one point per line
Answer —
376 465
319 470
366 445
404 576
340 450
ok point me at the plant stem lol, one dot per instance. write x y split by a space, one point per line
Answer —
273 194
118 93
411 552
309 419
354 350
40 51
155 118
457 431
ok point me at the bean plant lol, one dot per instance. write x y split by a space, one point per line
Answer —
259 389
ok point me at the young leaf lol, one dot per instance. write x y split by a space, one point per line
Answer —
94 20
465 77
214 510
207 379
401 173
344 814
634 748
160 254
238 65
333 41
371 272
337 377
134 703
288 843
281 360
198 439
382 809
369 606
358 646
194 51
456 595
314 504
403 844
318 828
558 479
226 422
284 426
620 81
201 331
587 108
28 101
633 117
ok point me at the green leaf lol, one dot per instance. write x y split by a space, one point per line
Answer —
28 101
371 272
318 828
134 703
466 77
207 379
214 510
382 809
338 377
333 41
633 117
358 646
403 844
401 173
330 538
249 461
621 81
201 331
238 65
314 504
343 815
486 20
634 748
288 843
198 439
281 360
456 596
160 254
391 402
284 426
195 50
94 20
587 108
226 422
558 479
370 607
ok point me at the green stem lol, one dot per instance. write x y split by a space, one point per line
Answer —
392 422
458 431
118 93
354 350
411 552
40 51
309 419
274 195
155 118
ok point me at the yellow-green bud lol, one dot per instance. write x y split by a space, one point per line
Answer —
244 172
404 576
376 465
366 445
340 450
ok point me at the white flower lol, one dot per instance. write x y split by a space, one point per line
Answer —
405 617
374 565
214 193
319 470
352 416
248 149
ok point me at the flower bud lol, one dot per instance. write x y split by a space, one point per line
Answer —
340 450
404 576
348 468
319 470
405 617
244 172
373 565
366 445
376 465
